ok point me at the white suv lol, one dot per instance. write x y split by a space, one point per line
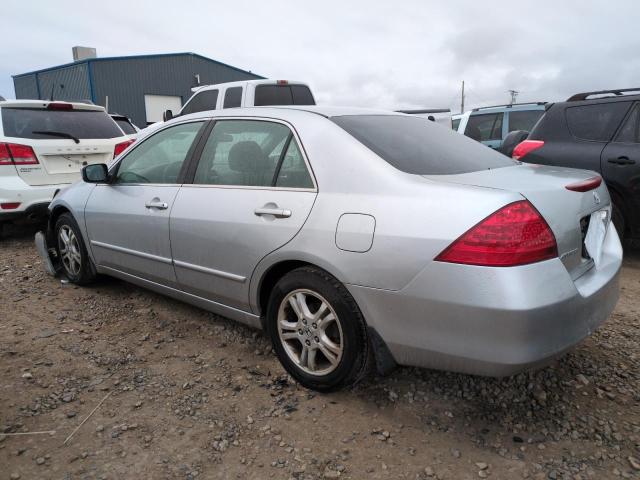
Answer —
44 145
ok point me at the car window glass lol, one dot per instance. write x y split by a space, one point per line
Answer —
630 131
418 146
125 126
302 95
232 97
484 127
273 95
596 122
159 158
523 119
293 170
241 153
455 123
201 102
81 124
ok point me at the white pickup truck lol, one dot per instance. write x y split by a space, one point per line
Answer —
248 93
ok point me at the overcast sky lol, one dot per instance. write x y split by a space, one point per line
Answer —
386 54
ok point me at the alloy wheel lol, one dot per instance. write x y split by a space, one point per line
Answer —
69 248
310 332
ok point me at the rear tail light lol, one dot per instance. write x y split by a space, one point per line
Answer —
9 205
526 147
514 235
121 147
585 185
59 106
15 154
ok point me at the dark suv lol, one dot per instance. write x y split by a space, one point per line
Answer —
597 131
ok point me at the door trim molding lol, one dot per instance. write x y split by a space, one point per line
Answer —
210 271
129 251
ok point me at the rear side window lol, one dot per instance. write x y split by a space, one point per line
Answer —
595 122
455 123
419 146
484 127
81 124
283 95
201 102
232 97
125 126
524 120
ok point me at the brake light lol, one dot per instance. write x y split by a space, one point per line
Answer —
5 159
59 106
15 154
121 147
9 205
283 82
585 185
526 147
514 235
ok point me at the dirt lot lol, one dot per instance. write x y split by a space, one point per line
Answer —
193 395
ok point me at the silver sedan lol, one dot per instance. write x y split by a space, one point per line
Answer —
353 237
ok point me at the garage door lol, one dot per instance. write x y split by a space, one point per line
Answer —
155 105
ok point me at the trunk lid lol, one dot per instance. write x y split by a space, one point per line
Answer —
567 212
60 161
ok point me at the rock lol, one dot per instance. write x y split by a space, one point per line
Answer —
27 375
15 476
428 471
482 465
331 474
582 379
40 460
634 462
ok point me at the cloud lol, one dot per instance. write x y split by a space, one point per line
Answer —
405 54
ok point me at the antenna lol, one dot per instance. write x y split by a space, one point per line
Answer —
514 95
462 99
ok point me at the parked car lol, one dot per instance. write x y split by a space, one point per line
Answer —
491 125
348 231
597 131
248 93
43 145
126 125
441 116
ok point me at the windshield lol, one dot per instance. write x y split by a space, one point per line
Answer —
24 122
419 146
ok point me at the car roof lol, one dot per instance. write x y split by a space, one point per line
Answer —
240 83
516 107
42 104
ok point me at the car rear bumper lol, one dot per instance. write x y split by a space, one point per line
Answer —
33 199
492 321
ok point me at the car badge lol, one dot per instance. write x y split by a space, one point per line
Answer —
596 198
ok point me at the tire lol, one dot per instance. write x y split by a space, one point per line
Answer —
338 336
617 218
72 251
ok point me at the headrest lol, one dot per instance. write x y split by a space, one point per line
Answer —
247 157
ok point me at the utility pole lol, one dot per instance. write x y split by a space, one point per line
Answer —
462 99
514 94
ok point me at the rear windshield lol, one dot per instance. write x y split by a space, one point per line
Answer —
283 95
418 146
23 122
125 126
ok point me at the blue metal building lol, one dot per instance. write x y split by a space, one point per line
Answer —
137 86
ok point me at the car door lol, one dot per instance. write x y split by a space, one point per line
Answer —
251 193
620 163
128 219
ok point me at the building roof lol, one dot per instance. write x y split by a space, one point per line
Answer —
134 57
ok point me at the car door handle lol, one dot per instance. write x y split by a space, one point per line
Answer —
276 212
622 161
157 205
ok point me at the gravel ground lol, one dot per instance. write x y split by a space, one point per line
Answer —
193 395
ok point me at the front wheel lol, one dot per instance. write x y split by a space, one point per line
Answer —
72 251
317 330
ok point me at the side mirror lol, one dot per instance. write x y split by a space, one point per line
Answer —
167 115
95 173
